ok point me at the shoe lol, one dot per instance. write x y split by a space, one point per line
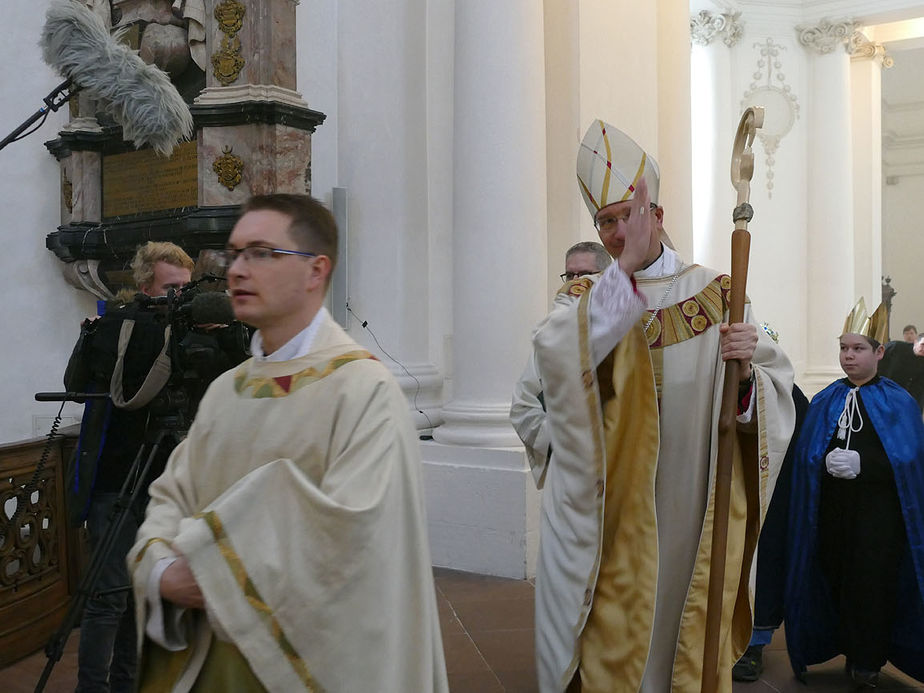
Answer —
864 678
751 664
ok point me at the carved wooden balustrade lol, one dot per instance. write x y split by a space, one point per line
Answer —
38 555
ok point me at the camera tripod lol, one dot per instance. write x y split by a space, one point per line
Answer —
168 433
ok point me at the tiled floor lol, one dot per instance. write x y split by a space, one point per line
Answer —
488 639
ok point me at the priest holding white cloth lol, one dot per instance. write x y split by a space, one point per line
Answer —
285 546
631 368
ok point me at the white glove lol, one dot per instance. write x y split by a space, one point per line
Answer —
843 464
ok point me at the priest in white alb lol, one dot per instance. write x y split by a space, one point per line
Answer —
631 368
285 545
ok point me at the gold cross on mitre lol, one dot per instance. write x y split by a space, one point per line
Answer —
875 326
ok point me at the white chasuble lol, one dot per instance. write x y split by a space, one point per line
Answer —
296 498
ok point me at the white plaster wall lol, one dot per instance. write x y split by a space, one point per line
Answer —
903 210
41 313
780 275
902 202
381 79
639 84
674 114
439 157
866 118
568 221
317 78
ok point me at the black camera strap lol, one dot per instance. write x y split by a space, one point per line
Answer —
154 381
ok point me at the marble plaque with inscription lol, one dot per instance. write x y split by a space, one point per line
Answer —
140 181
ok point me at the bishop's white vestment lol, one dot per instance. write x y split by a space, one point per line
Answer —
626 457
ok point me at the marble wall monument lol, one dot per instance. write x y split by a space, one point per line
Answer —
234 63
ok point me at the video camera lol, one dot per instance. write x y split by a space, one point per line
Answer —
160 352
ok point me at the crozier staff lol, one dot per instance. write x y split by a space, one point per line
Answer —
742 169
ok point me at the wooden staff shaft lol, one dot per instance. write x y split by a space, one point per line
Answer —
742 169
741 241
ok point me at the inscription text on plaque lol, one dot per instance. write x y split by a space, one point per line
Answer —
140 181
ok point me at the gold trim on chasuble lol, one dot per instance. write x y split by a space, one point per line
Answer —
617 635
147 545
579 287
281 386
691 316
684 320
253 597
763 444
576 288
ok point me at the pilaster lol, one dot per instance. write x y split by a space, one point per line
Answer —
482 500
830 189
867 59
714 36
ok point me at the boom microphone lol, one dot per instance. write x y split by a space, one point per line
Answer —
140 97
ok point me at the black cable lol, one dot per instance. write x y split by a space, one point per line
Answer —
29 488
365 325
29 132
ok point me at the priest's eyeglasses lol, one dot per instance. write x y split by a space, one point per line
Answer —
568 276
256 254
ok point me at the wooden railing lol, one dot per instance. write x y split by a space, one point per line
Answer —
39 554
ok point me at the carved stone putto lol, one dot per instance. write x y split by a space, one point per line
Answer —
861 48
705 26
827 35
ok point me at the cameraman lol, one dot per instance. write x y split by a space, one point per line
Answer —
110 439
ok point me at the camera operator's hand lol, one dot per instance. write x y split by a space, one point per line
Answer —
178 585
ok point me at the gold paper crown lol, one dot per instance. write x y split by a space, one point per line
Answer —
875 326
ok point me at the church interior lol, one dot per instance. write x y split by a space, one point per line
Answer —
442 134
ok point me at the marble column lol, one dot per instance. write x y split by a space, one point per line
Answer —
830 242
713 124
481 498
866 62
383 112
499 217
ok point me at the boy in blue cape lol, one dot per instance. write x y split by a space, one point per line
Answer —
855 579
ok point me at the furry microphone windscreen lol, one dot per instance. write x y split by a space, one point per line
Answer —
140 97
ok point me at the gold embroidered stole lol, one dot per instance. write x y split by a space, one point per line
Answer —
616 638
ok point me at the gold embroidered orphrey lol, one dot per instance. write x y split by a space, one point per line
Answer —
227 62
228 167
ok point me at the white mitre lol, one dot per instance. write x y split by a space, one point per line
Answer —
609 166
